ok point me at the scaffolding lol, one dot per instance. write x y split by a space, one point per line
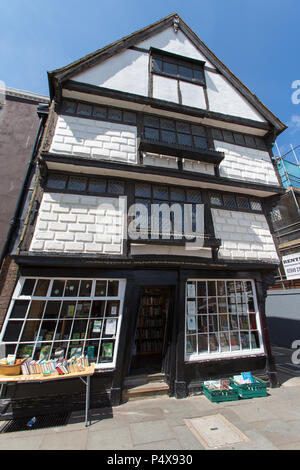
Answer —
289 170
289 167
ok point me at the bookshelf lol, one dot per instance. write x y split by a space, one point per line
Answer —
149 339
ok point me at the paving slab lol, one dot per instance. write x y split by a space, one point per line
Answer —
150 432
112 439
68 440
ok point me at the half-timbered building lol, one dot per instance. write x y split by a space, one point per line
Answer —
147 244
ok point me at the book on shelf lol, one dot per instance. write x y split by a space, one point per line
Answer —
107 350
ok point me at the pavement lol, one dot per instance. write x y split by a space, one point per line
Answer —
193 423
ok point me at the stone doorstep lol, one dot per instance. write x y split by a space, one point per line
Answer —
142 379
148 390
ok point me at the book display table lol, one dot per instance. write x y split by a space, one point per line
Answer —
84 375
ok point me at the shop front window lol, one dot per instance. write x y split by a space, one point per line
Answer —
61 318
221 319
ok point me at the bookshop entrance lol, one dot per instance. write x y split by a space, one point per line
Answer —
150 336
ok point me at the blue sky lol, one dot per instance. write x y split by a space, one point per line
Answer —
257 39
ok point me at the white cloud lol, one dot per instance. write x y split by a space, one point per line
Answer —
294 124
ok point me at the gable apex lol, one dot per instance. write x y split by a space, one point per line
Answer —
189 46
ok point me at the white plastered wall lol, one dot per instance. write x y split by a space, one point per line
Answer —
71 223
244 236
98 140
127 71
246 164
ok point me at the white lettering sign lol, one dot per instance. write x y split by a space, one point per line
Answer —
291 264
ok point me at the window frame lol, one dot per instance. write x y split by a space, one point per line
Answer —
152 199
176 123
29 298
178 61
198 357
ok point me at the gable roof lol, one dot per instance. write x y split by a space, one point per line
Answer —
60 75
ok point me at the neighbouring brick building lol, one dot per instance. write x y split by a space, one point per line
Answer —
145 138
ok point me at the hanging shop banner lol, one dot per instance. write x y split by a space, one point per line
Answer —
291 264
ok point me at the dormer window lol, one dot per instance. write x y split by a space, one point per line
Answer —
174 66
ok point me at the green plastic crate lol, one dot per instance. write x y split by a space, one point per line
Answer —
220 395
256 389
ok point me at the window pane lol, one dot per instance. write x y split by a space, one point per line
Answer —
57 288
185 72
167 124
193 196
36 309
129 117
47 330
107 351
94 328
69 106
68 309
229 201
115 114
157 64
56 181
228 136
185 139
191 344
100 290
28 287
198 130
52 309
250 140
198 75
82 309
200 142
183 127
169 137
151 133
169 68
85 288
77 183
115 187
160 192
255 205
91 350
99 111
239 139
113 288
216 200
98 308
177 194
41 288
12 331
97 186
243 202
71 288
151 121
19 309
143 190
217 134
84 109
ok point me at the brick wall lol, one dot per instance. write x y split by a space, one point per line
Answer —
244 236
97 140
8 278
246 164
78 224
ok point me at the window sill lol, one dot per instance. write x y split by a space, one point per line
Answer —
225 355
181 151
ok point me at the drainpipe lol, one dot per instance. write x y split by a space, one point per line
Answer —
16 217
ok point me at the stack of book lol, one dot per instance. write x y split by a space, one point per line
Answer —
218 384
61 366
